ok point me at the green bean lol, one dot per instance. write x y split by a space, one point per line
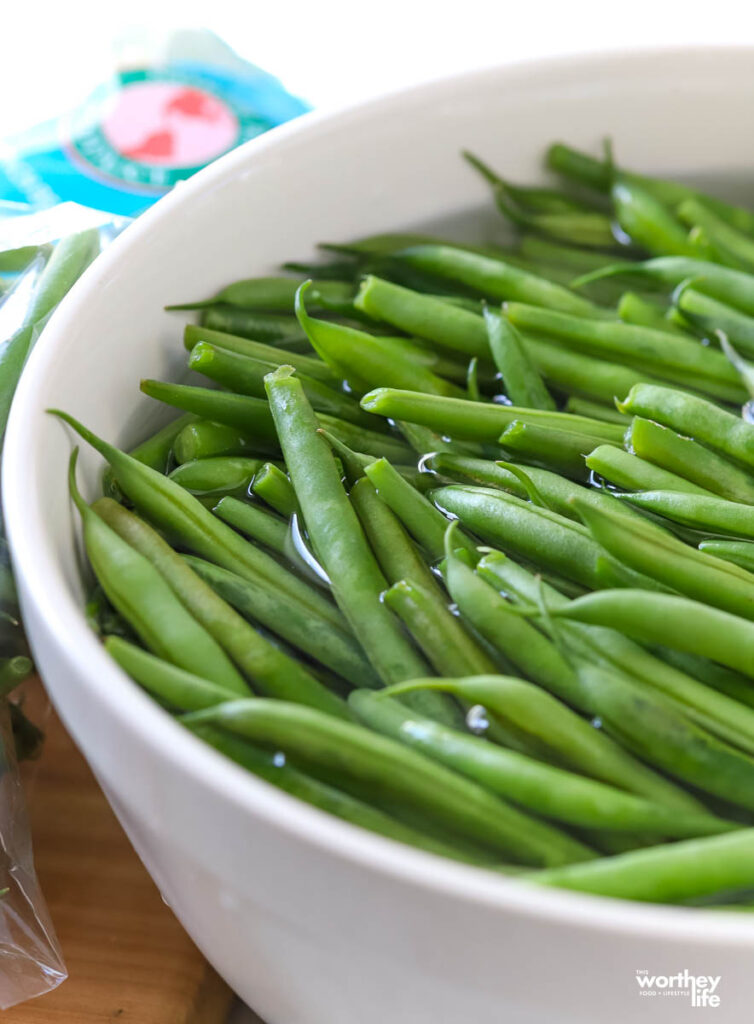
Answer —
647 221
537 787
177 512
219 475
155 452
70 257
476 421
423 521
697 511
612 650
686 458
493 279
667 619
632 309
393 548
203 439
577 260
267 765
709 315
523 384
559 450
446 643
537 534
730 683
669 739
732 242
13 261
664 874
335 531
541 200
273 487
273 295
595 410
368 442
266 327
583 374
730 286
310 365
598 174
652 550
628 471
335 648
174 686
271 671
141 595
250 415
424 316
13 671
662 352
351 352
246 376
408 777
739 552
270 530
581 227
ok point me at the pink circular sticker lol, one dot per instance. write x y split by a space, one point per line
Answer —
169 125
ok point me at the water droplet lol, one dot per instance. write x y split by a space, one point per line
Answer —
748 411
278 759
296 538
597 723
424 463
477 720
454 609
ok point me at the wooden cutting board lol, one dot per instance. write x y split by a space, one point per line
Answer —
128 958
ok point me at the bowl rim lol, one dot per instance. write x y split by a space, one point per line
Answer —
44 586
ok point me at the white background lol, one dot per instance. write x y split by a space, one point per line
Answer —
334 52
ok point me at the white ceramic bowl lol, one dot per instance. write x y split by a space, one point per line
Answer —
311 920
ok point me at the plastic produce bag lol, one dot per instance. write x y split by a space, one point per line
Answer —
67 187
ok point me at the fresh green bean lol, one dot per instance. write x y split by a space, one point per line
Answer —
250 415
219 475
493 279
595 410
732 684
575 372
732 242
539 788
261 526
650 549
336 533
156 451
407 776
739 552
271 671
174 686
310 365
559 450
266 327
368 442
246 376
661 352
272 486
335 648
537 534
523 384
393 548
708 315
423 521
628 471
138 591
203 439
633 309
664 874
273 295
541 200
444 639
351 352
697 511
177 512
684 457
647 221
678 622
476 421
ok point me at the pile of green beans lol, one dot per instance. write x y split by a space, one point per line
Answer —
456 541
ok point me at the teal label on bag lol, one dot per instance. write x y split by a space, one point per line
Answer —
150 129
